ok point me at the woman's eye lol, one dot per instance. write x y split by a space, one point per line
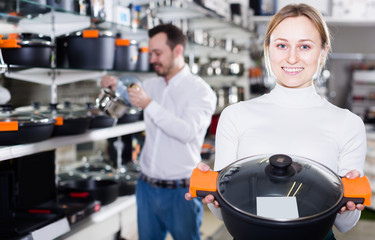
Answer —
305 47
282 46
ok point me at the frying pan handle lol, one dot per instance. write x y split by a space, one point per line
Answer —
203 183
357 190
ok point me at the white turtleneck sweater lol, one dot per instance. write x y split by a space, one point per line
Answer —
296 122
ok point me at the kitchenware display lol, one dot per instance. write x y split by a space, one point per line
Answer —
21 224
70 119
98 118
127 180
279 196
117 104
62 51
27 49
133 114
19 127
126 55
112 104
31 7
74 209
66 5
95 166
96 10
143 63
105 191
71 175
91 49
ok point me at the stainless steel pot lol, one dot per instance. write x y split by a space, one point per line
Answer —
111 104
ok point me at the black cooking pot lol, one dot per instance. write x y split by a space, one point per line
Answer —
27 49
127 178
279 196
69 120
91 49
126 55
98 118
73 121
18 127
66 5
31 7
105 191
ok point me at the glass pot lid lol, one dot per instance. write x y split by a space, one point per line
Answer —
279 187
7 114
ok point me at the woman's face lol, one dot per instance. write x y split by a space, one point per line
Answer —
295 52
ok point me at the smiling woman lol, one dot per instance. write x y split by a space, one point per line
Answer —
293 119
296 46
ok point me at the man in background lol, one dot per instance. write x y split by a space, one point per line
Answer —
177 108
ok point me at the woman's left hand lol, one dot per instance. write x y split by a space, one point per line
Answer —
351 206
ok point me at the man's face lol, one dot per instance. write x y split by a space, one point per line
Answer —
161 55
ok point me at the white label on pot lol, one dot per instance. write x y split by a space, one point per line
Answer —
277 207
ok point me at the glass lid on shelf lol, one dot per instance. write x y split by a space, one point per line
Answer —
7 114
279 187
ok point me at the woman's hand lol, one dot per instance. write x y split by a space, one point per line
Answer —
209 198
108 81
351 206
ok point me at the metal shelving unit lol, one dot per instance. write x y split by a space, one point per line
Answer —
55 142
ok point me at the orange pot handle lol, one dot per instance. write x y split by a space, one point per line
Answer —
59 121
92 33
202 183
8 126
358 188
122 42
9 43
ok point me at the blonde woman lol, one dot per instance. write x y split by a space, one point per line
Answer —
293 118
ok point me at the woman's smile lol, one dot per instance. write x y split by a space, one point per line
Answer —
292 70
295 52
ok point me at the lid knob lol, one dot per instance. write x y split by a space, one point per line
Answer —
280 161
280 167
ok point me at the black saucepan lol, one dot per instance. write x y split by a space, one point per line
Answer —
279 197
91 49
99 119
105 191
18 127
27 49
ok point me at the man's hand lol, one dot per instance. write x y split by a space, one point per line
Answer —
108 81
138 97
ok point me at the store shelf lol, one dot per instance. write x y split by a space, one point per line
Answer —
111 209
55 142
64 23
51 231
62 76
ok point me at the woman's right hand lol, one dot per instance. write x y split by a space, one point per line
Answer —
108 81
209 198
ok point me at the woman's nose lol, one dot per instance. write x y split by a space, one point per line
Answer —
293 56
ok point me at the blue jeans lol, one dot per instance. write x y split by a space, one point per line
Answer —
330 236
162 210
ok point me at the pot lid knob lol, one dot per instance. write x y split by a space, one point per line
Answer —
280 161
280 167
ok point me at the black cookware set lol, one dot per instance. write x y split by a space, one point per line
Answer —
87 49
279 196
